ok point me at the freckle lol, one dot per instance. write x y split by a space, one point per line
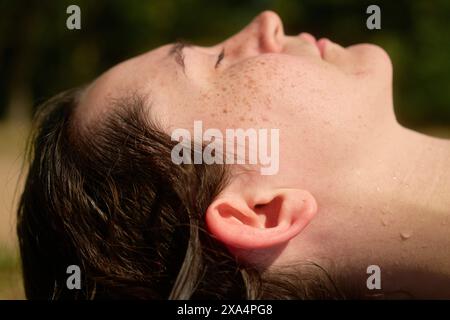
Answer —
245 101
265 119
224 89
225 111
241 118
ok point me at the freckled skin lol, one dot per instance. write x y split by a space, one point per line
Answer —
267 80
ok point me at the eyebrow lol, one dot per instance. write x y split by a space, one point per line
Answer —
176 51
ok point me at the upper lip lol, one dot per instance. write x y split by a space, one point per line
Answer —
311 39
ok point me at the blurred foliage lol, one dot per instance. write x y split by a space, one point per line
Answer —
40 56
10 276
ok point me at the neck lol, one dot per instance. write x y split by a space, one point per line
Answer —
398 200
409 172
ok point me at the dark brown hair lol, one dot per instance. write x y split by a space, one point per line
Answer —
110 200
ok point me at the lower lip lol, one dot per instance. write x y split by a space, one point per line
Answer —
322 44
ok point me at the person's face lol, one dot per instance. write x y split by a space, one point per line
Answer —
329 102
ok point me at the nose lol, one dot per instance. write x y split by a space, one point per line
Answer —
263 35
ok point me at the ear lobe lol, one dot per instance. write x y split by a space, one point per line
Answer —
261 222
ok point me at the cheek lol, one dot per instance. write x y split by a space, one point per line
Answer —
245 94
272 86
273 91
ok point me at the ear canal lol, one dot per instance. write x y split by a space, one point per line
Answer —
269 213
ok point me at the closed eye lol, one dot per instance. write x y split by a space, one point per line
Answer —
176 51
220 58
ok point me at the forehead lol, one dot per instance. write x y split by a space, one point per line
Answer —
136 75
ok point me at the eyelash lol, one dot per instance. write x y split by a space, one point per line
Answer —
220 58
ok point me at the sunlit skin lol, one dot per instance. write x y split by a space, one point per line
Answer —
354 188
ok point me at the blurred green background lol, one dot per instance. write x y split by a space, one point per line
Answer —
39 57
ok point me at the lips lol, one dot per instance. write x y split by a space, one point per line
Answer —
322 44
319 44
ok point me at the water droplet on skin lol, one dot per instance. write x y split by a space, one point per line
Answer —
378 189
405 235
394 177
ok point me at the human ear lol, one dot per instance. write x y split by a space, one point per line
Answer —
260 220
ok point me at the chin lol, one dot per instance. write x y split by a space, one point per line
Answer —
375 59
